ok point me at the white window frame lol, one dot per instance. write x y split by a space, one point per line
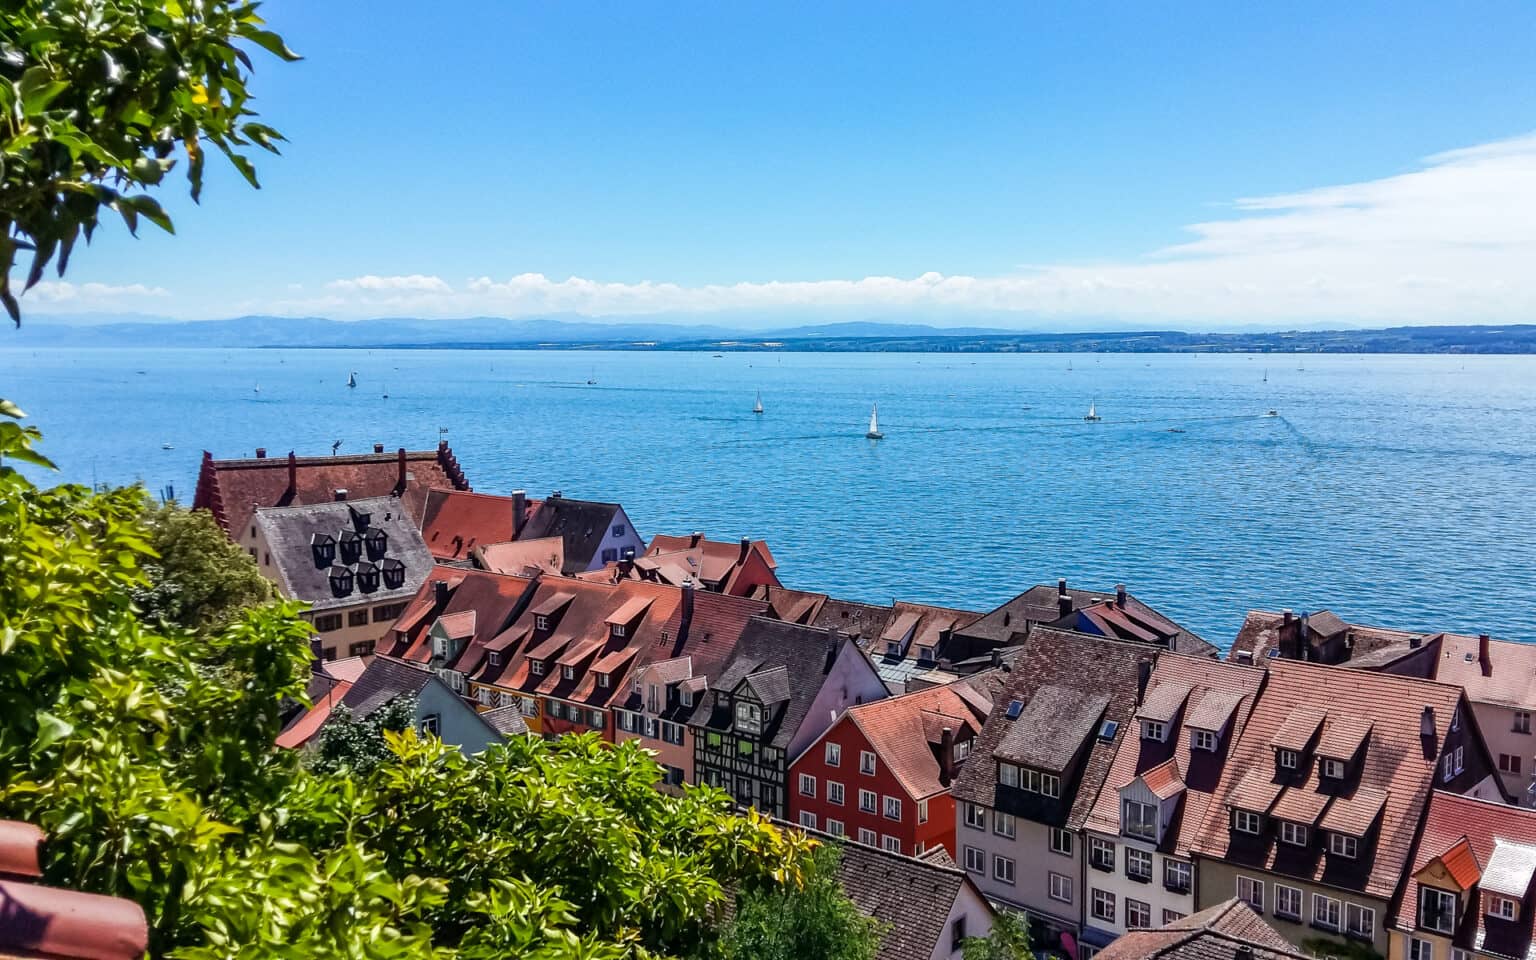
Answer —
1061 841
1004 825
833 755
1059 887
834 793
867 836
808 819
1360 921
1008 775
1497 905
1294 834
1143 861
975 816
1290 904
1287 759
1002 869
1154 730
891 844
922 811
1139 820
1241 817
1204 740
835 828
867 763
890 808
1331 914
1099 901
1419 949
1139 906
1343 845
1178 875
1254 896
1097 846
807 786
868 802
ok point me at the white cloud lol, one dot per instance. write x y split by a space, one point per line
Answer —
86 296
415 283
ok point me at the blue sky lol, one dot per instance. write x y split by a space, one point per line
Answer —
1029 164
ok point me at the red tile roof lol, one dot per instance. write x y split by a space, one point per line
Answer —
1461 863
1394 774
39 921
306 725
522 557
489 597
1206 689
455 522
713 562
903 731
1511 678
1227 930
232 489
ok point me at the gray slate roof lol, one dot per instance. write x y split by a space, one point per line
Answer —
507 721
290 532
914 896
383 681
1038 605
580 525
1052 728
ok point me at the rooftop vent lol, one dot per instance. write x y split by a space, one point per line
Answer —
341 493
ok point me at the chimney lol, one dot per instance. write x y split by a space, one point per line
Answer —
1064 604
341 494
997 657
261 453
554 495
687 607
1120 595
946 757
519 511
1427 722
1143 676
696 538
317 661
746 548
378 448
440 593
1484 656
1061 585
1285 618
400 472
293 474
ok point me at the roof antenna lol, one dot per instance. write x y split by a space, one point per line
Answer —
442 432
334 447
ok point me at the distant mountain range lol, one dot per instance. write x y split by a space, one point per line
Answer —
577 333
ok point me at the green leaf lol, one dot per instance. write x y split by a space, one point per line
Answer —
270 42
50 729
37 88
9 409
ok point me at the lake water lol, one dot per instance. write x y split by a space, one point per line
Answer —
1394 490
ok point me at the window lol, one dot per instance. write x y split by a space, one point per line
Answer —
1138 915
1177 875
1287 902
529 706
866 836
892 808
962 750
1060 887
835 827
618 630
975 817
748 718
1170 916
1509 763
1061 841
808 819
1002 868
429 724
1101 854
388 611
1103 905
618 529
1460 754
569 672
1459 954
361 649
834 755
1202 740
1502 907
602 680
1333 769
1153 730
1420 949
1003 824
1287 759
536 667
485 695
1325 912
834 793
924 654
1447 767
807 785
1522 721
975 860
957 933
610 554
1138 820
540 622
745 747
1343 845
867 801
892 844
1294 834
357 618
866 763
1138 865
1008 774
922 811
1245 821
327 622
494 658
1251 891
1360 921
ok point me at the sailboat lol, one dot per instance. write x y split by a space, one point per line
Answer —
258 388
1093 414
352 379
1266 375
1069 364
592 380
386 393
874 424
758 407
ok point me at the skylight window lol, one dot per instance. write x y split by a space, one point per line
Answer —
1014 709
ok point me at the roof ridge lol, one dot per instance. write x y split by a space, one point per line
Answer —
1393 679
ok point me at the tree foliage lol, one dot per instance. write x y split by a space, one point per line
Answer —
146 752
345 742
101 99
815 919
1008 940
199 579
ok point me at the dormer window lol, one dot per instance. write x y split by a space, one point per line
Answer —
376 542
749 718
536 667
1287 759
617 631
351 547
1294 834
1154 730
1333 769
925 654
1246 821
1138 820
1343 845
602 680
367 577
1437 909
1502 907
540 622
323 546
568 672
393 572
962 750
893 649
685 697
1203 740
1007 774
494 658
341 581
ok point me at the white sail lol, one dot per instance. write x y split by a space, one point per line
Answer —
1092 412
874 419
758 407
352 379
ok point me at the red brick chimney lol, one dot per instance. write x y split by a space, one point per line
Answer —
1484 655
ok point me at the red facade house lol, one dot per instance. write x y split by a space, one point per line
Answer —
881 774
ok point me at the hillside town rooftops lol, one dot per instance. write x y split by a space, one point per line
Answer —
1228 931
1059 605
906 732
581 526
456 522
343 552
